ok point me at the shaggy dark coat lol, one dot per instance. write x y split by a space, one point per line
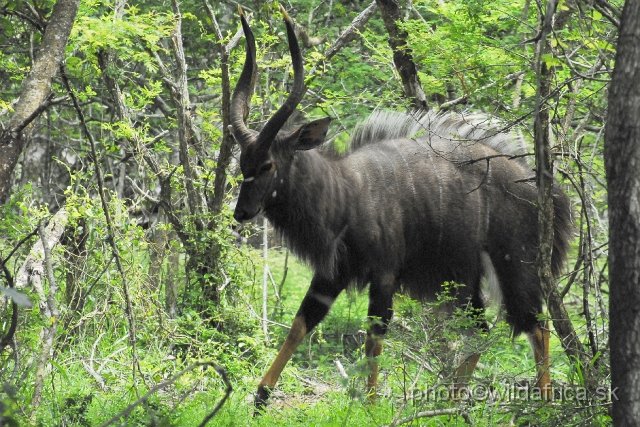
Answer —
419 200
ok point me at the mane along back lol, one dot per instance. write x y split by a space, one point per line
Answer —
383 125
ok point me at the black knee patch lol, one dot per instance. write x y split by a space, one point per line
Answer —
313 311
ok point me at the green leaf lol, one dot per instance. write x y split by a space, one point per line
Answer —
550 60
60 369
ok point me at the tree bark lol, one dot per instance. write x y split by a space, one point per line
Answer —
622 163
36 90
402 58
227 144
157 250
544 178
173 279
50 314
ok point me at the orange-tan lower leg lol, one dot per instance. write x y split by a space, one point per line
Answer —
372 349
296 334
463 374
539 339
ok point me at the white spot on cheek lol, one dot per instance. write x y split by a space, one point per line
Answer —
275 174
249 179
281 181
275 193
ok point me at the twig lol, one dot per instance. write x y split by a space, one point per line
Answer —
54 230
41 108
428 414
143 193
348 34
464 98
14 307
14 312
20 243
89 367
227 392
265 277
110 232
278 304
340 368
126 411
96 376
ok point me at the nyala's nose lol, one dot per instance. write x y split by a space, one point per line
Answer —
240 215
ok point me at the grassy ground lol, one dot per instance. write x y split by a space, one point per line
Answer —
420 354
419 358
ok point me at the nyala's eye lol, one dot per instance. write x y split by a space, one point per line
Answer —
265 168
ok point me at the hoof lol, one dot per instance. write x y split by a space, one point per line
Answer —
260 402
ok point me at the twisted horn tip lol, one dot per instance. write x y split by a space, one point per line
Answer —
287 18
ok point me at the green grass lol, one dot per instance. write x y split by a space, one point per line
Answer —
416 367
311 391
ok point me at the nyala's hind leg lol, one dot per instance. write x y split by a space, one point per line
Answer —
539 340
466 366
380 312
463 375
468 363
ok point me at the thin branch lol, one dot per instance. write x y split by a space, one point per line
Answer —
36 24
143 193
227 393
340 368
464 98
110 231
126 411
20 243
428 414
36 113
347 35
606 14
226 147
50 315
6 340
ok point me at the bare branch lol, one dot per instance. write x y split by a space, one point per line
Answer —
50 314
110 232
126 411
349 33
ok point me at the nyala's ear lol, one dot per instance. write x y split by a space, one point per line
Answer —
311 135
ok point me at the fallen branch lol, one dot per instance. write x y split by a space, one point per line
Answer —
428 414
340 368
126 411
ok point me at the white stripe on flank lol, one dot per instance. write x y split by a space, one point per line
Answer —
440 198
491 277
410 173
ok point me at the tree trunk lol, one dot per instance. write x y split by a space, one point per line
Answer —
157 248
622 163
36 90
544 179
402 58
171 283
48 311
75 240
